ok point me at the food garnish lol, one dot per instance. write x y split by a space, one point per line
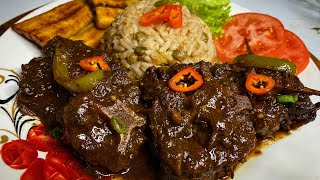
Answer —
168 12
61 164
160 14
94 63
283 99
34 171
39 140
265 35
18 154
175 18
118 124
252 60
186 80
215 13
57 133
259 84
296 51
76 85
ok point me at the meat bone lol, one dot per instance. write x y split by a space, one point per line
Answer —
129 117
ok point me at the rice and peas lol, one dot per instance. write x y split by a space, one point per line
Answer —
140 47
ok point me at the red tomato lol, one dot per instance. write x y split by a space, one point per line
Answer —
296 51
266 36
39 140
34 171
18 154
60 164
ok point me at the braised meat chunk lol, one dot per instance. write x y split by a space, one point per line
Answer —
205 133
198 134
105 125
268 115
39 94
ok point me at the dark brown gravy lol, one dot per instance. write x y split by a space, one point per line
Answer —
257 151
146 167
143 167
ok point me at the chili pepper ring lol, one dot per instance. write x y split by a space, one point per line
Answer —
259 84
186 80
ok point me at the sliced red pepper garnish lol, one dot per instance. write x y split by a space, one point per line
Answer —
94 63
168 12
259 84
186 80
175 18
160 14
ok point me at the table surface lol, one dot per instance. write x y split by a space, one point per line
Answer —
299 16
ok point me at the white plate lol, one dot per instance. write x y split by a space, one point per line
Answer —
295 157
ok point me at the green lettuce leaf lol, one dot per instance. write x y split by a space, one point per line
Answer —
215 13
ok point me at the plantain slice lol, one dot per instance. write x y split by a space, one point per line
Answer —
65 27
105 16
112 3
90 35
49 17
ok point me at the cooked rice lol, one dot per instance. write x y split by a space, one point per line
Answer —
140 47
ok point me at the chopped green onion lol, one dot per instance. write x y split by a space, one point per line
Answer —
287 99
57 133
118 124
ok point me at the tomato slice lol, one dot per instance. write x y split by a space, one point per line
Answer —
39 140
18 154
266 36
34 171
296 51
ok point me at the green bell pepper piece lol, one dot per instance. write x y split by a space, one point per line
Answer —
77 85
252 60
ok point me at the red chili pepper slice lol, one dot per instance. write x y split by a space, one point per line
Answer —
94 63
186 80
160 14
175 18
259 84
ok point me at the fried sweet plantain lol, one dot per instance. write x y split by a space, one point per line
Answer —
90 35
105 16
112 3
56 22
52 16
